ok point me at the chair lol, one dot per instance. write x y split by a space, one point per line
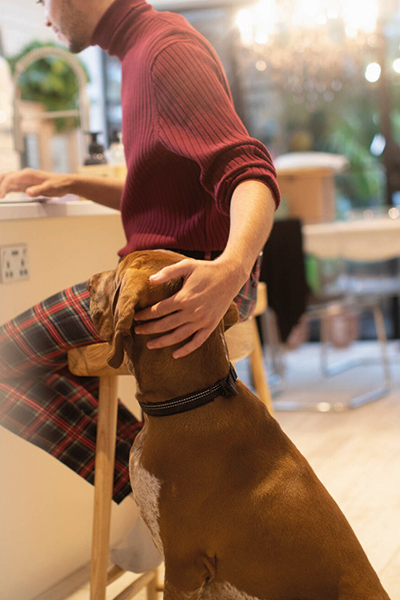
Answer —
283 270
243 340
323 311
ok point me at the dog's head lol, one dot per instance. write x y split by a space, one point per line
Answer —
115 297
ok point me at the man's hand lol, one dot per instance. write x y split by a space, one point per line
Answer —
210 286
35 183
207 292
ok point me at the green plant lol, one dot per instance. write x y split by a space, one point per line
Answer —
50 81
345 126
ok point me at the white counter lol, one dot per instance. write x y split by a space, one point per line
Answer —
52 208
62 252
366 240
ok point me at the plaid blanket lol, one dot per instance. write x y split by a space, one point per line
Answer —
42 402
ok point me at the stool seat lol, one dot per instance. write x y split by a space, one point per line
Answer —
91 360
88 361
242 340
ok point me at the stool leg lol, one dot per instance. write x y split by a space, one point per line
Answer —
382 338
151 590
258 372
103 485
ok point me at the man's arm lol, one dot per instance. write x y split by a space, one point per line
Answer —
210 286
105 191
252 216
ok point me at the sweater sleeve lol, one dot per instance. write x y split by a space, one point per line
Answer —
197 120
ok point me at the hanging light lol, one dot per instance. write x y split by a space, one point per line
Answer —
244 22
309 13
321 43
373 72
360 16
261 65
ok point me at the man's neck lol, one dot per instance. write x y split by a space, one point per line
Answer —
97 10
120 22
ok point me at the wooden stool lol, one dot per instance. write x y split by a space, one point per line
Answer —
242 339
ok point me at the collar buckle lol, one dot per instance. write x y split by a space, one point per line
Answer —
229 383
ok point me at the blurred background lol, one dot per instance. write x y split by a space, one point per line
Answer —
318 82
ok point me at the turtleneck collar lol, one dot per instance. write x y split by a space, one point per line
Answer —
116 29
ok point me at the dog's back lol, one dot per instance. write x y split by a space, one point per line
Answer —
241 509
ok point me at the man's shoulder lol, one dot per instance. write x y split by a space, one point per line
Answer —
171 31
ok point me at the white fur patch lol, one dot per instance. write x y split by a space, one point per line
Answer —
173 592
146 491
211 591
225 591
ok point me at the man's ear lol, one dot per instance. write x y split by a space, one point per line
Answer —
231 316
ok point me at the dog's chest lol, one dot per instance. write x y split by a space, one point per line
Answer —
221 590
146 490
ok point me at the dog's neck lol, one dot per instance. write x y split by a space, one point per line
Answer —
161 377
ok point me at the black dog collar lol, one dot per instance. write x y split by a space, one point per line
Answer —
223 387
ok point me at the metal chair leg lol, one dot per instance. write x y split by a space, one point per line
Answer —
331 370
277 379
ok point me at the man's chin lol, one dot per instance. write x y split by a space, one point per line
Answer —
74 46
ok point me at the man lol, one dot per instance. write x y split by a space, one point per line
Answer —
196 183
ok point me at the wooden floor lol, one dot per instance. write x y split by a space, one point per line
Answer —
356 454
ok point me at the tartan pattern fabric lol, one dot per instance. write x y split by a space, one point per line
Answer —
247 298
43 403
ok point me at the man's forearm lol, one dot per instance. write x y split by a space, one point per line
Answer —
210 286
252 216
103 190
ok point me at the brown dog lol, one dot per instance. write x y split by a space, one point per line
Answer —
231 503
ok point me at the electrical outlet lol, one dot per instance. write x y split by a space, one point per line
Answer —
14 263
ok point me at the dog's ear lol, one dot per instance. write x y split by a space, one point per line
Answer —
130 292
231 316
102 290
113 298
134 293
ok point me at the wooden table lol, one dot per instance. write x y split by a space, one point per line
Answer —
367 240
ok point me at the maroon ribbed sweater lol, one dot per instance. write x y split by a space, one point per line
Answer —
186 148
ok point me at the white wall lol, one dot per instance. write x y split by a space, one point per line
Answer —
45 508
21 21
